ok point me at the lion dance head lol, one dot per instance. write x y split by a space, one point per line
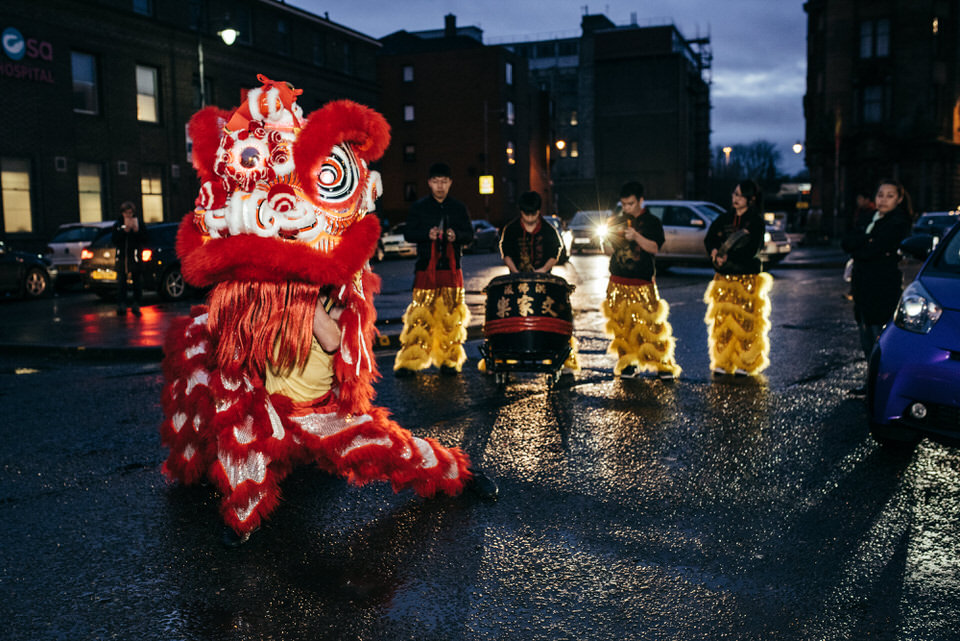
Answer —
281 218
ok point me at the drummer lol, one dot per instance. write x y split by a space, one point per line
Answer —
530 244
636 315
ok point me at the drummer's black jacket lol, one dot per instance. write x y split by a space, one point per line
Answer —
628 260
427 213
530 251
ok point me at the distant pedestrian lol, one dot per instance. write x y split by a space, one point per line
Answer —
636 316
876 278
129 237
435 322
738 302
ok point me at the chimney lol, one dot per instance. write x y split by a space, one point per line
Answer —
449 25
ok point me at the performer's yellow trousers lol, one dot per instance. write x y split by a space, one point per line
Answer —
637 322
738 322
434 330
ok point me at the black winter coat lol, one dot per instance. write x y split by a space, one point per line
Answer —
744 257
877 281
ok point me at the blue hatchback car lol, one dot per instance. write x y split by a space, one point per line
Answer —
913 386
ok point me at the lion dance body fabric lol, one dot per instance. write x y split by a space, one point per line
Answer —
738 322
281 221
637 322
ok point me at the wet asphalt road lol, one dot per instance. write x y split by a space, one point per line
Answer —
727 509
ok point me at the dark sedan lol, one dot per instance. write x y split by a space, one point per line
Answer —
24 274
161 266
486 237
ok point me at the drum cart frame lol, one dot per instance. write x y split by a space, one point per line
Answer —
528 325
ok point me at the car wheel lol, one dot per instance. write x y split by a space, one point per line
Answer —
36 283
172 285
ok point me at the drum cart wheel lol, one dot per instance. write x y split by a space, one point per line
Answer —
501 378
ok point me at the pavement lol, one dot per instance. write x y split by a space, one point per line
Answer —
70 326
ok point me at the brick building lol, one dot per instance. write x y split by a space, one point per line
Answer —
97 94
630 103
450 98
883 100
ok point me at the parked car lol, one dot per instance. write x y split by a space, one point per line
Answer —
566 236
486 237
394 244
589 229
161 266
936 223
25 274
913 381
64 248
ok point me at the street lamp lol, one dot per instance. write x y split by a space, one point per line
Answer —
797 147
726 156
229 36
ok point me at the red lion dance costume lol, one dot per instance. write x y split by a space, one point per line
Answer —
279 224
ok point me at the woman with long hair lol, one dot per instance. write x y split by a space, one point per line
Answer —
876 280
738 303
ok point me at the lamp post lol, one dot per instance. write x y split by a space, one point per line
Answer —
551 196
229 36
797 147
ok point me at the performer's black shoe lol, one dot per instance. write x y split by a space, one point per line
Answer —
858 391
403 372
122 310
630 371
666 376
229 538
136 311
448 370
482 486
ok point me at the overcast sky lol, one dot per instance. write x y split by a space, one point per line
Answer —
759 47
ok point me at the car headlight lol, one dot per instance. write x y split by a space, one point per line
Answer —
917 311
601 231
767 237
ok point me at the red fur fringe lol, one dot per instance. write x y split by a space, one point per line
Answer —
206 129
262 322
246 257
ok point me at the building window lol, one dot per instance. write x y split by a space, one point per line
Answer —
147 94
875 38
90 188
349 58
283 38
409 192
574 150
508 73
511 114
143 7
872 107
408 73
408 113
15 186
409 153
151 194
240 20
84 68
573 118
319 49
511 153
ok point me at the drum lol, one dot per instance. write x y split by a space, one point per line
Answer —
528 316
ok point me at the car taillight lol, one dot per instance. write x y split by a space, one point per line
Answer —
147 255
85 254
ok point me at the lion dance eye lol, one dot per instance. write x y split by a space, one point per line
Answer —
250 157
339 175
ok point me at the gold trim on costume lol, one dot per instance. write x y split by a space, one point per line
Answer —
637 321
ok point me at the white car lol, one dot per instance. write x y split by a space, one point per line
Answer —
65 247
394 244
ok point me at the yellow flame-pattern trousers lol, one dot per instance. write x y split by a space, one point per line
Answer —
738 322
637 322
434 330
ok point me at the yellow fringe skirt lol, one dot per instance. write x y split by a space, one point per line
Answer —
637 322
738 321
434 330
